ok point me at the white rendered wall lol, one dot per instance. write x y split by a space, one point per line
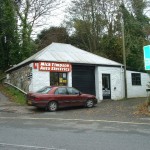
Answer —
116 81
42 78
69 78
39 79
98 84
137 90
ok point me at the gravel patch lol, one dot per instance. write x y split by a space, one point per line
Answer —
122 110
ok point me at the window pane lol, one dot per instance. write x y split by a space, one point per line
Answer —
54 78
72 91
136 78
61 91
58 78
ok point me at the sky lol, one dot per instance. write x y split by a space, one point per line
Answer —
56 19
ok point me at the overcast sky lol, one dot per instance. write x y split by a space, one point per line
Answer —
56 18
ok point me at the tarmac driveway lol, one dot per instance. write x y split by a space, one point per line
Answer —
106 110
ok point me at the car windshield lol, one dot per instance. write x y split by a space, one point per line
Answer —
44 90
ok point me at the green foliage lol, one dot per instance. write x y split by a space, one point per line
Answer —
135 36
83 34
9 39
53 34
13 94
111 47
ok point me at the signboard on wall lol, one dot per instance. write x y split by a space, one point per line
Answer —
147 57
35 65
54 67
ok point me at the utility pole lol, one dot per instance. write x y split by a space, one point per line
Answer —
124 55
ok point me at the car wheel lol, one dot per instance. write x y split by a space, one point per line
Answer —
89 103
52 106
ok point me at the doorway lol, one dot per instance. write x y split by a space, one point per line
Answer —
106 86
83 78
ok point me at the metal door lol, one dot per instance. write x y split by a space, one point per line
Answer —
106 86
83 78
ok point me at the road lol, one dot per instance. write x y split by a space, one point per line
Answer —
28 133
109 126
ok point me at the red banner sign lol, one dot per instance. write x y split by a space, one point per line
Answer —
35 65
54 67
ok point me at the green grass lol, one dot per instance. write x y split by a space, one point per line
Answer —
13 94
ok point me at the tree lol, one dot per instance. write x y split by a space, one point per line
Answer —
88 22
97 26
9 40
53 34
30 14
135 35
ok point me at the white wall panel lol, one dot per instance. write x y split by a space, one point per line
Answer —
39 79
69 77
137 90
116 81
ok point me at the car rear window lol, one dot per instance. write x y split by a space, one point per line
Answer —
44 90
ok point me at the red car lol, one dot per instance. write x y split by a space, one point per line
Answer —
55 97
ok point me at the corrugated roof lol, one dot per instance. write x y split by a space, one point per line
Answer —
59 52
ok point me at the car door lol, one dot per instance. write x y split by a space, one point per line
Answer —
61 96
75 97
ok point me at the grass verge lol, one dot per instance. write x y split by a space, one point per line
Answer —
13 94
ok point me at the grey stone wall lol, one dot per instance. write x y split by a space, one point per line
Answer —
21 78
